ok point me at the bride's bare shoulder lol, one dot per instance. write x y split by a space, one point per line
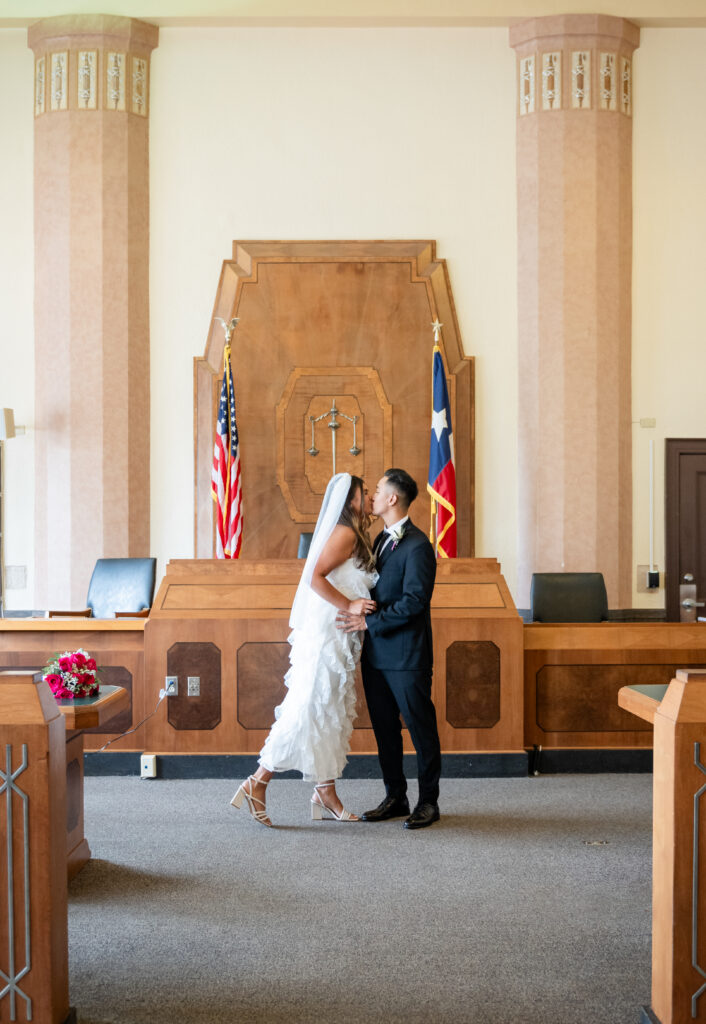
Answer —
342 539
337 549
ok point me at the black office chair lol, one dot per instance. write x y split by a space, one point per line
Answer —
304 544
568 597
119 587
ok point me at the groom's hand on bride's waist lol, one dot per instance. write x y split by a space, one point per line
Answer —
350 623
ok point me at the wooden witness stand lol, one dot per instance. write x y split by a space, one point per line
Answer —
34 934
228 623
678 713
80 714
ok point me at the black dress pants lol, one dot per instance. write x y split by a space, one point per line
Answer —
388 693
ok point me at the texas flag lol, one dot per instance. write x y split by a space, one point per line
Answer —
442 474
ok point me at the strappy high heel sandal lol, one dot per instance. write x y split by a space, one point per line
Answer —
244 794
319 810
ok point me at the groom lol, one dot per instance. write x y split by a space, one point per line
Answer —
397 653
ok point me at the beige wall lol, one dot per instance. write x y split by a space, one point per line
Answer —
310 133
322 133
16 300
669 295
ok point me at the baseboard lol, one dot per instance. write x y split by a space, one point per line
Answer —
119 762
552 761
508 764
486 765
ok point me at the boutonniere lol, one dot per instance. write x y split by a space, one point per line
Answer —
397 533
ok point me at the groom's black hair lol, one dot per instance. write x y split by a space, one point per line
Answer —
403 484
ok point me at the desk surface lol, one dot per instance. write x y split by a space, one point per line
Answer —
642 699
87 712
72 625
615 636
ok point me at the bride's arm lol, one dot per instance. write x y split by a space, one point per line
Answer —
336 550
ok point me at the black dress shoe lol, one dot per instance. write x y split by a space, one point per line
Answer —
422 816
391 807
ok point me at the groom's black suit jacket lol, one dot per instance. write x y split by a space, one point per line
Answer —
398 635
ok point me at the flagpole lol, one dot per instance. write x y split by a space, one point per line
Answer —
228 329
434 524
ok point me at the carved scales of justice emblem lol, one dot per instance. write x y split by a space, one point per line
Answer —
334 425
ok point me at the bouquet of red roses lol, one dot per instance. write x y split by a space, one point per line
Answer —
72 674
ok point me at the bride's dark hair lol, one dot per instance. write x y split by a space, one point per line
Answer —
362 551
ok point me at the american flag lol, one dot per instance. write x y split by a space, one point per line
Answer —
226 478
442 473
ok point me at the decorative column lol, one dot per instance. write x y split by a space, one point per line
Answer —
574 169
91 107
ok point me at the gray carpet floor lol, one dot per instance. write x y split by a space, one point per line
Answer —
529 903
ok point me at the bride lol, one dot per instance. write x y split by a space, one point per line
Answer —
314 722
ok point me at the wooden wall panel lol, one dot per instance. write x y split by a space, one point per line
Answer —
473 684
116 675
243 609
32 741
74 795
573 673
241 641
362 719
202 660
116 644
584 698
363 448
261 671
361 312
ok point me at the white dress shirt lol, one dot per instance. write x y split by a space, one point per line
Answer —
391 532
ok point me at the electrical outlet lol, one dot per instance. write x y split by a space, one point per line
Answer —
193 686
148 766
648 580
171 685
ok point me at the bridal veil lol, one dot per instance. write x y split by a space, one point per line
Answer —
331 507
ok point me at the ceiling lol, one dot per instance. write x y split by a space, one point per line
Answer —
355 13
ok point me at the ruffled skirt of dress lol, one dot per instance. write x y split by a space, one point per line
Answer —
314 722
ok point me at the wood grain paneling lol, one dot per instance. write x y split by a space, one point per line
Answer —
467 595
362 718
261 671
119 643
78 852
311 391
679 851
359 312
116 675
471 604
573 672
473 684
202 660
74 796
584 698
226 598
33 746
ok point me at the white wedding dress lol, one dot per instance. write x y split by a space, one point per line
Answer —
314 722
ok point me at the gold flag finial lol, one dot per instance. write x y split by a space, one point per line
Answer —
229 327
437 330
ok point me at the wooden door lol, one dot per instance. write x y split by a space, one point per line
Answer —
685 513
